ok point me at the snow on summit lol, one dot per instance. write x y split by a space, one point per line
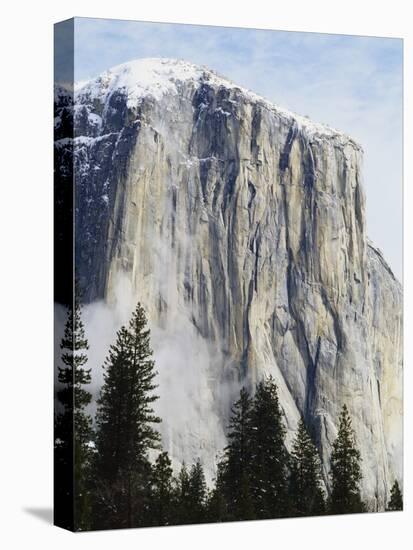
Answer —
141 77
157 77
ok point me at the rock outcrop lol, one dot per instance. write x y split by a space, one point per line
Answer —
241 227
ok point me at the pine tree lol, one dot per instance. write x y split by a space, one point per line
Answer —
191 495
73 426
269 482
396 498
306 493
162 491
197 493
125 431
217 509
236 466
182 490
345 470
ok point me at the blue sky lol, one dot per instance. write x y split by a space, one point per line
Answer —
351 83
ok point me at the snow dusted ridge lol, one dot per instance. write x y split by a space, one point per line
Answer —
157 77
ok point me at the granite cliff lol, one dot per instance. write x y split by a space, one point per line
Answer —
241 228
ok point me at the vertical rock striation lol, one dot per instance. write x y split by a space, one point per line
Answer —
245 225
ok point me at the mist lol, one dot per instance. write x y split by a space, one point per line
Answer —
194 397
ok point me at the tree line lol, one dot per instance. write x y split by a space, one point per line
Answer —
105 479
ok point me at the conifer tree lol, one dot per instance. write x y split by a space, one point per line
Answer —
345 470
197 493
306 493
125 431
396 498
236 466
191 495
162 491
73 426
269 481
217 509
182 503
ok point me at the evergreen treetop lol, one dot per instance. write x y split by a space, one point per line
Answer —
345 470
73 425
217 508
269 478
73 376
306 490
396 498
125 416
125 431
162 491
236 467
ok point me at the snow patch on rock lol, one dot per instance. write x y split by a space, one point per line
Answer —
157 77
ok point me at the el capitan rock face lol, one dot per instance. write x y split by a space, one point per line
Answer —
240 227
